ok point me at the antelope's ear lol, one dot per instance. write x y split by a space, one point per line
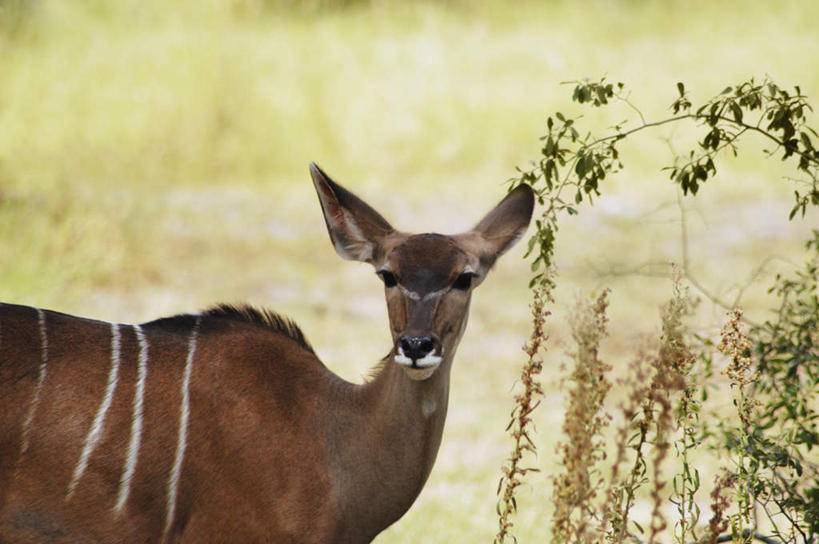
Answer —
356 230
505 224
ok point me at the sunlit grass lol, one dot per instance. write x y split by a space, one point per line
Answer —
153 159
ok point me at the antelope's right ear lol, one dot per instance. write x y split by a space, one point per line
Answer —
502 227
356 230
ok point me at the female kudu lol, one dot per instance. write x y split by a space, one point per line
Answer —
224 426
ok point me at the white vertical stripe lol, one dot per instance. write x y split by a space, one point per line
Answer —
136 422
96 428
35 399
184 410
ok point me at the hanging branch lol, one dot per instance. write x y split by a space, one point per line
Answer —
579 163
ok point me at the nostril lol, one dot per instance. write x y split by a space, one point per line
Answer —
416 347
406 346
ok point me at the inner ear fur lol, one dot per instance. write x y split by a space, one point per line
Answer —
356 229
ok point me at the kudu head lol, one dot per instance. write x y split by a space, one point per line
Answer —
428 278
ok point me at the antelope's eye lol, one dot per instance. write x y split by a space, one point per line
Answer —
464 281
388 278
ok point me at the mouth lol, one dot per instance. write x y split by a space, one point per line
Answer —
418 369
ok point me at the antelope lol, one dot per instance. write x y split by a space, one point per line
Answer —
224 426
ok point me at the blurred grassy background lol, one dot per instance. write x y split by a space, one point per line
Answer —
153 160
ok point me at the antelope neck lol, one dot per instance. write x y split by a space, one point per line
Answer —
407 417
397 398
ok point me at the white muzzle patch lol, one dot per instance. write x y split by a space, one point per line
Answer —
419 369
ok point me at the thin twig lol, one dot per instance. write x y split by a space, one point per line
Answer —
750 533
768 135
728 537
686 267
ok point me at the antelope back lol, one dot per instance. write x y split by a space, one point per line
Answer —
122 433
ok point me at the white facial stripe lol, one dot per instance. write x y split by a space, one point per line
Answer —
136 422
435 294
184 413
35 399
411 294
415 296
96 428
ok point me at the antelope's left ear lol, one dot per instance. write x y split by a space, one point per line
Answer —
505 224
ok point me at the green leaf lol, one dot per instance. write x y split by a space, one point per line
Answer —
806 140
737 111
580 168
530 246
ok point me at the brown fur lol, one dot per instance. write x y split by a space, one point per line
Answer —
278 448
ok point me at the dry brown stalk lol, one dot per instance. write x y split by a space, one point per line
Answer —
525 403
719 505
671 367
575 488
621 493
736 346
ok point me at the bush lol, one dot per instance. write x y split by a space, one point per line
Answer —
769 465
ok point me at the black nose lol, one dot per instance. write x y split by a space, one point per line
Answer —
416 347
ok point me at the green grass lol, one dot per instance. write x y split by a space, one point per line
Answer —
153 159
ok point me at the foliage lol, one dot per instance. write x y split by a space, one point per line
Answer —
576 163
773 369
784 434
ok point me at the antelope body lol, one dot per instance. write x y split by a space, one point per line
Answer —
224 426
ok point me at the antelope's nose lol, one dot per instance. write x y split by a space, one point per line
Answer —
416 347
